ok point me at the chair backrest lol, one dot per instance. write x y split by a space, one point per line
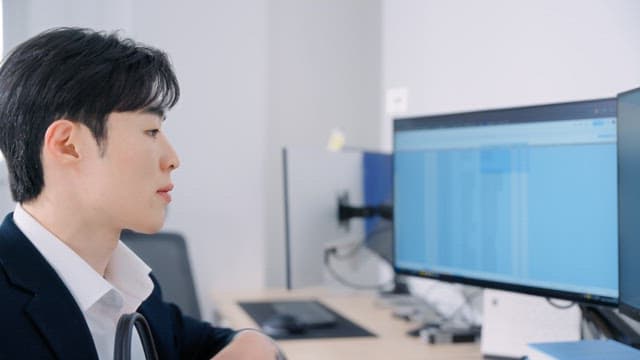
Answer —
166 254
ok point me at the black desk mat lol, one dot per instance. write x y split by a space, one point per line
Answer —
260 311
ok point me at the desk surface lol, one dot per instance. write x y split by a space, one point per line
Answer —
390 343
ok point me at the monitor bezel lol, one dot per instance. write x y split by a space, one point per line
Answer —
625 308
538 113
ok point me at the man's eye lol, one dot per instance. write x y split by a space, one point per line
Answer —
153 133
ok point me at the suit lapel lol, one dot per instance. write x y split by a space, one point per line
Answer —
52 308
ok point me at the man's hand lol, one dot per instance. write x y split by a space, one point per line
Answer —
249 345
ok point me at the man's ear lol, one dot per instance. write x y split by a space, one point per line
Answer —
60 141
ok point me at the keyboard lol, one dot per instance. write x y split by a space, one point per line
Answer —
310 314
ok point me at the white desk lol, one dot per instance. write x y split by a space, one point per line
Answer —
391 341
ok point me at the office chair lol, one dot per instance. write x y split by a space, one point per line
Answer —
166 254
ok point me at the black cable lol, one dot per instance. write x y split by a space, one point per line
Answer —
563 307
333 252
359 245
349 254
327 262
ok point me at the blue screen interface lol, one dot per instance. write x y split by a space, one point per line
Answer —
531 203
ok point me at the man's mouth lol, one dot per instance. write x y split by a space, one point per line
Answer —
164 192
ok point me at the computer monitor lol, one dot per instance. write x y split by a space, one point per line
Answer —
521 199
377 181
316 183
629 201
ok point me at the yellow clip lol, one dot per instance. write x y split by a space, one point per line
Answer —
336 140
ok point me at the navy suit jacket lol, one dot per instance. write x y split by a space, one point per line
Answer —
39 318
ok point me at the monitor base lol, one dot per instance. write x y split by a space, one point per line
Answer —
610 324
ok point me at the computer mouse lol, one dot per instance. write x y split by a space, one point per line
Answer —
282 324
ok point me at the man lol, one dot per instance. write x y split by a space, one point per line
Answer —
80 128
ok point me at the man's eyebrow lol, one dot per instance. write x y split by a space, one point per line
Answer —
156 111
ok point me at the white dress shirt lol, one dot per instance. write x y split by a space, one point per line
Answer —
102 300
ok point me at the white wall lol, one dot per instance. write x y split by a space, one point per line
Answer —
460 55
25 18
324 73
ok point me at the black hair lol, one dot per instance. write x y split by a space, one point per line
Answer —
77 74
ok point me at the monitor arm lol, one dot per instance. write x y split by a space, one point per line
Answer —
347 212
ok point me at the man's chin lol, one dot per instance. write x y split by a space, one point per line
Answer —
147 228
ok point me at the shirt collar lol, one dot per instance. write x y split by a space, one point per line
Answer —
125 272
130 275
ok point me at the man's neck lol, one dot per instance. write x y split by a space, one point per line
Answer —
91 240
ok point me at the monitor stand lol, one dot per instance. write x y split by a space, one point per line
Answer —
610 324
400 287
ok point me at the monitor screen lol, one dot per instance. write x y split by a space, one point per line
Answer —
629 201
521 199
